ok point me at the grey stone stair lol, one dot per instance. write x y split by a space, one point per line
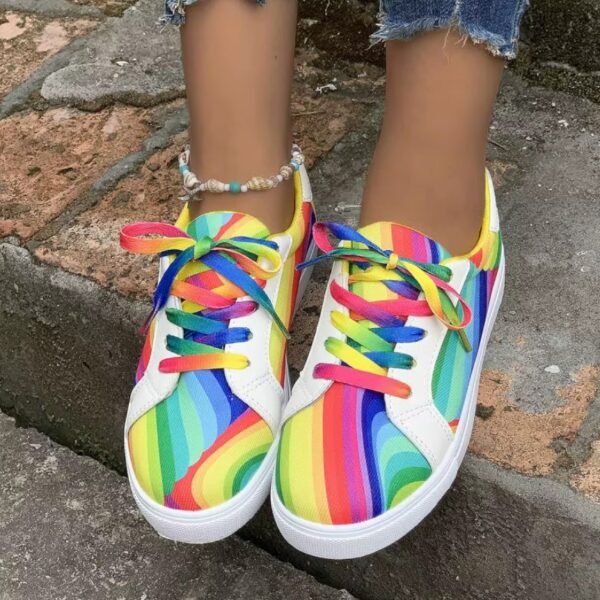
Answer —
69 530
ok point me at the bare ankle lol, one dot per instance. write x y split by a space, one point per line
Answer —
445 204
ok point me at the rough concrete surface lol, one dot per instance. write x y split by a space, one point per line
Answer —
40 159
537 443
559 39
543 342
111 8
26 41
69 530
74 341
588 479
565 31
122 62
52 8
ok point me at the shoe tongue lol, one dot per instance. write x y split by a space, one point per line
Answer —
225 224
405 242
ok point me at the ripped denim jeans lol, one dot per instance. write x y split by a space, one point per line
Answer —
492 23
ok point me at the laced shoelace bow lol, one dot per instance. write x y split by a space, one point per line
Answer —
372 328
241 261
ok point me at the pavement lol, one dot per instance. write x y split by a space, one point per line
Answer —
90 127
70 529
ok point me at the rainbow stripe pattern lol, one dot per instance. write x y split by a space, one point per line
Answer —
341 460
200 446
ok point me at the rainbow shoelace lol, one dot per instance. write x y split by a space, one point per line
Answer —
242 265
373 328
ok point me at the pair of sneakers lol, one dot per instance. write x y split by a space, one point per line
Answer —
373 432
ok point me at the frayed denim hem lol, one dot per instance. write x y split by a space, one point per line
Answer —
502 45
175 11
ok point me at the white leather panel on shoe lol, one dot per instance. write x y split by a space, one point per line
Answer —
428 431
417 416
494 217
306 187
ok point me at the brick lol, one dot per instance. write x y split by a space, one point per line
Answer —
90 245
47 160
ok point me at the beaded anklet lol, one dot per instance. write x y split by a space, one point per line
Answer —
193 186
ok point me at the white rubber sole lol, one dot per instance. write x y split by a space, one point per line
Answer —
214 524
359 539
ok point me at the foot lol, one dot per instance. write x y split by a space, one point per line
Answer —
380 418
205 410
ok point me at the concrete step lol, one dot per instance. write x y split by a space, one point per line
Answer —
522 520
69 530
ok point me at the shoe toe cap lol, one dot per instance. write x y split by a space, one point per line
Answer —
191 463
345 474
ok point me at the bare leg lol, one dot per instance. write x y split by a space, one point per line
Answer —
428 168
238 61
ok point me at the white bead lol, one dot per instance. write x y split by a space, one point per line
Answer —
280 178
244 189
226 187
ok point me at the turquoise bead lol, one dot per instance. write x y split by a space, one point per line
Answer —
235 187
294 165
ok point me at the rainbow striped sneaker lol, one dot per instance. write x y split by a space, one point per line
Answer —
379 421
204 415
